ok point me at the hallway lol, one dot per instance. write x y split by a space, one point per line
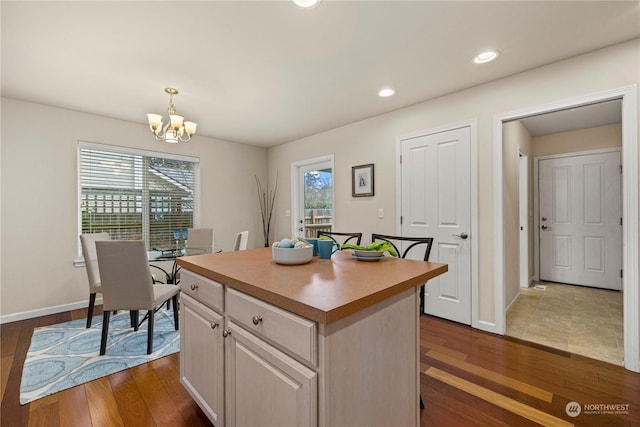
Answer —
578 319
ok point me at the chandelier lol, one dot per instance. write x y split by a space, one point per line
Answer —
176 130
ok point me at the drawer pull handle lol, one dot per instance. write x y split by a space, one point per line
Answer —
214 325
226 333
257 320
194 287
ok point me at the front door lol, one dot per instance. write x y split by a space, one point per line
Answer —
436 202
580 220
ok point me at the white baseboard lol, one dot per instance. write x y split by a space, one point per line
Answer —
513 301
46 311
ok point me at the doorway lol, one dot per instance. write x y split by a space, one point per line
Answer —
628 96
312 196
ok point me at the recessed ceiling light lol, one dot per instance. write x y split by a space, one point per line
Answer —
386 92
307 4
485 57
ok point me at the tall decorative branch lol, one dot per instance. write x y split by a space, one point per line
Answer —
267 199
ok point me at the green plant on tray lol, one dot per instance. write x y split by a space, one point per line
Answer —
375 246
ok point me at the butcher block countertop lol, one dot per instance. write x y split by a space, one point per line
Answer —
323 290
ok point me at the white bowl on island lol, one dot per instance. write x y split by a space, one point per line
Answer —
292 256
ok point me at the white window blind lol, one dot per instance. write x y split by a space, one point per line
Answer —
133 194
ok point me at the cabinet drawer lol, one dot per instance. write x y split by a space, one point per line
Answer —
293 333
205 290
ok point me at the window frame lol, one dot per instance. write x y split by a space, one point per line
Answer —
87 145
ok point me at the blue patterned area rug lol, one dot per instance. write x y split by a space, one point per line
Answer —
66 355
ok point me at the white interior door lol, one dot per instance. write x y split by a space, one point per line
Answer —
580 220
436 202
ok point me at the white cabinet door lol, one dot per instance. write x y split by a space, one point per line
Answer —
264 386
202 357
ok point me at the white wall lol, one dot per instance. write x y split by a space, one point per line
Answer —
594 138
373 141
39 198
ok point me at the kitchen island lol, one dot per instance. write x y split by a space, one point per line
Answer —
330 343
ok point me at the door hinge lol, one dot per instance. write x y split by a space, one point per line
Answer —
620 168
621 273
400 158
620 220
400 219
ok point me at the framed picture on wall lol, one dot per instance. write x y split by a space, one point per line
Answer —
362 180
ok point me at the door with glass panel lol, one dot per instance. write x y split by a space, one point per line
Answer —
313 196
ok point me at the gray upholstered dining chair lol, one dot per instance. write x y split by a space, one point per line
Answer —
200 238
127 285
88 244
241 241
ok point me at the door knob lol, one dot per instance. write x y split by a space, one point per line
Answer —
544 218
462 235
544 227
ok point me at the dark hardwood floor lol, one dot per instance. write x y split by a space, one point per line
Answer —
469 378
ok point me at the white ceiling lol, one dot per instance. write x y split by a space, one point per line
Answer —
269 72
592 115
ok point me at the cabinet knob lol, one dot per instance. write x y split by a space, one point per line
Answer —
257 320
214 325
226 333
194 287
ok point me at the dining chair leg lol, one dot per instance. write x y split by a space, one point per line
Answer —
175 311
105 330
150 332
92 303
134 319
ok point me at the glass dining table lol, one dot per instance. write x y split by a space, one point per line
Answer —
163 261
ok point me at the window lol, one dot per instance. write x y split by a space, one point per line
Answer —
134 194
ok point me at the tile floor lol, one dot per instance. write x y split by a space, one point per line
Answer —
582 320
